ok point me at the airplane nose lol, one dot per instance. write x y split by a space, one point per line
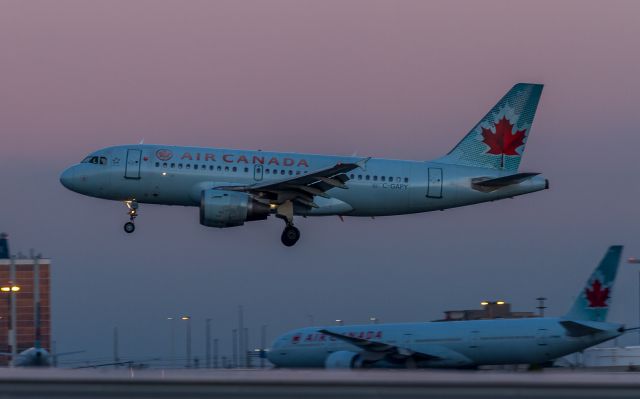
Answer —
67 178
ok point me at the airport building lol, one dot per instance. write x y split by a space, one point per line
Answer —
489 310
23 292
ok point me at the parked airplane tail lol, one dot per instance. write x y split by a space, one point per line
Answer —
593 300
498 140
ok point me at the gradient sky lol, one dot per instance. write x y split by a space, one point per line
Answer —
394 79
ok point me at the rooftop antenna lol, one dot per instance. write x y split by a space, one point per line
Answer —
36 299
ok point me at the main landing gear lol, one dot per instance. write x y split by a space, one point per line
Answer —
291 234
130 227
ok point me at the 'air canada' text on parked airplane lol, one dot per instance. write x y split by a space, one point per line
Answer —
460 344
232 187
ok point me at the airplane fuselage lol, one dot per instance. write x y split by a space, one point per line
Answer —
173 175
459 344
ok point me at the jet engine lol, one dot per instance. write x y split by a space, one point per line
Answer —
222 208
343 360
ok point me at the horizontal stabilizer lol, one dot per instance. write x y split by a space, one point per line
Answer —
579 329
488 185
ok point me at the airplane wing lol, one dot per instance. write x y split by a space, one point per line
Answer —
303 188
392 353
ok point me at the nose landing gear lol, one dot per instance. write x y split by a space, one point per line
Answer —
130 227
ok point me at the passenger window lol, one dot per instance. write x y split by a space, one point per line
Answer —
367 177
352 176
390 179
164 165
290 172
210 167
297 172
219 168
173 165
375 178
359 177
188 166
179 166
406 180
246 170
157 164
103 160
382 178
234 169
195 166
226 168
282 172
266 171
398 179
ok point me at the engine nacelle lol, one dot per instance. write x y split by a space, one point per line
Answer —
222 208
343 360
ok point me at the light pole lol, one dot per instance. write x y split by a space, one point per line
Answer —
188 320
11 290
207 335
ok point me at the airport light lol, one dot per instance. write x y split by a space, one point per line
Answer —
373 319
13 288
339 322
500 302
484 303
188 343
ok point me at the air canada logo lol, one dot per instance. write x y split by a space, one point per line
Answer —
164 155
597 295
504 141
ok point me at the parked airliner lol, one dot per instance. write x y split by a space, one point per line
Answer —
232 187
460 344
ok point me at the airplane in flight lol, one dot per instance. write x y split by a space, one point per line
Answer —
232 187
460 344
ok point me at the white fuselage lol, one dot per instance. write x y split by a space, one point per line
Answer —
458 343
382 187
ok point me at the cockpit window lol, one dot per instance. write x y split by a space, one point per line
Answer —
95 160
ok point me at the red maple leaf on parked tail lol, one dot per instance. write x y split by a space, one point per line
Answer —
503 141
597 295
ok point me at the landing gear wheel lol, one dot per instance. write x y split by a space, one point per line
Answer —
290 236
129 227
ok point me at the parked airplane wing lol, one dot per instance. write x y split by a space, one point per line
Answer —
579 329
303 188
391 351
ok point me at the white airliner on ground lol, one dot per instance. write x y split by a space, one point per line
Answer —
232 187
460 344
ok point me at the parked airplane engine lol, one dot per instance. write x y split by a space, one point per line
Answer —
343 360
222 208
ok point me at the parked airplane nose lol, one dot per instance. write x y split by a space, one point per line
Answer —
67 178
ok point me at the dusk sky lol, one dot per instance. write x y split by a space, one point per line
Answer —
392 79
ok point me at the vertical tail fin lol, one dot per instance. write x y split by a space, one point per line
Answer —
498 140
593 300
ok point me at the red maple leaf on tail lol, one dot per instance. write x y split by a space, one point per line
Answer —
596 295
503 141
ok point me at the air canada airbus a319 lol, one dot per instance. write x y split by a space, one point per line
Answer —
232 187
